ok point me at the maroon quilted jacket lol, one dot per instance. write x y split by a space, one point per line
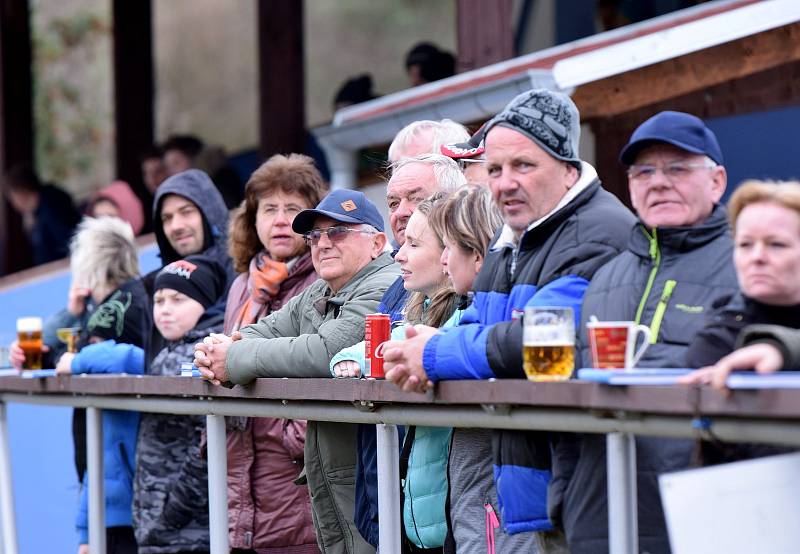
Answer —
267 512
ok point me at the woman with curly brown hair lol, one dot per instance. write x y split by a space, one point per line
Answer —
266 510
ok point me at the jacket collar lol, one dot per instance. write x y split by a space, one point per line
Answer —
508 239
680 239
336 300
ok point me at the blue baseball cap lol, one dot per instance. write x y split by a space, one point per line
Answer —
344 205
682 130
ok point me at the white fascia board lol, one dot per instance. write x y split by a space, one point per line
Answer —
675 42
464 106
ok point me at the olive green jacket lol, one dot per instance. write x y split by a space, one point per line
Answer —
299 341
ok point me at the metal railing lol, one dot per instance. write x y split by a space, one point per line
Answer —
769 416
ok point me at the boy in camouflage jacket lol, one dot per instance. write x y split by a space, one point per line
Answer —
170 494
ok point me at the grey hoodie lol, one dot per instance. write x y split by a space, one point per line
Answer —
196 186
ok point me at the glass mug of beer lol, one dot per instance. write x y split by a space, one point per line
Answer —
29 336
548 343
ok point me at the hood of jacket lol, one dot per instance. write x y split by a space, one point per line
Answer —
196 186
680 239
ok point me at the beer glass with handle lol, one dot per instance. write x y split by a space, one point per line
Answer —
29 335
548 340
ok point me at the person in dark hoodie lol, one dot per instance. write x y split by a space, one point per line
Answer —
170 489
189 218
48 213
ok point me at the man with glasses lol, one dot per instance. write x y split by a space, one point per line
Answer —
677 263
345 233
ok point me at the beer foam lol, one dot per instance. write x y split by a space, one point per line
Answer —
29 324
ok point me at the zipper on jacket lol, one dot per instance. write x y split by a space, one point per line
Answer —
514 254
655 255
655 325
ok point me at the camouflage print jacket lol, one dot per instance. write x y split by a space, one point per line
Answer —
170 490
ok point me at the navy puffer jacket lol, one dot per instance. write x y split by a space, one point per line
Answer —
551 266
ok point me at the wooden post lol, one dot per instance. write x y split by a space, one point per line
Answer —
16 119
281 77
485 34
133 89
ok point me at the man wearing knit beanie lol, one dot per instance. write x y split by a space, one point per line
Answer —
560 227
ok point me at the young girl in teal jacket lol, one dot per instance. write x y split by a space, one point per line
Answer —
432 301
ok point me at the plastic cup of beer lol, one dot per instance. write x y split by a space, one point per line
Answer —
29 336
548 342
69 336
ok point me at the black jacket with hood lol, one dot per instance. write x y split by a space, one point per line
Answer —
196 186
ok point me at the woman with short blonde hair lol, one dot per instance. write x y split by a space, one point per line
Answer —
782 193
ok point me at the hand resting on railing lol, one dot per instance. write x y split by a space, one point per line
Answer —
764 358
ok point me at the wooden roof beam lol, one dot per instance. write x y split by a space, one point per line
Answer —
690 73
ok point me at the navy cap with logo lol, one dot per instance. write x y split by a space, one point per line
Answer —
682 130
343 205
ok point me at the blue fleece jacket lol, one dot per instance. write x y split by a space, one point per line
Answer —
119 435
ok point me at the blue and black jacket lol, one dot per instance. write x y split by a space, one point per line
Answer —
551 265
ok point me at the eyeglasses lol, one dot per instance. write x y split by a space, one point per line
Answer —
676 171
335 234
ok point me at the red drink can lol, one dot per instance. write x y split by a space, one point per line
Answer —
377 330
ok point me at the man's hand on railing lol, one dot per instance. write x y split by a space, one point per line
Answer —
764 358
209 356
402 359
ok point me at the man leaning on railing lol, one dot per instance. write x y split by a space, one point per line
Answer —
345 233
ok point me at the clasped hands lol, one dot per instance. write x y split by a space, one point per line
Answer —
402 359
210 355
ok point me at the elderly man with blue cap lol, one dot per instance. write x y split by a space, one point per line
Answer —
348 249
677 263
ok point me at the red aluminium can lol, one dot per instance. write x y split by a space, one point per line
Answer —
377 331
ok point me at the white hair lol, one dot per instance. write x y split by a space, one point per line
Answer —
103 254
445 131
367 228
446 171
